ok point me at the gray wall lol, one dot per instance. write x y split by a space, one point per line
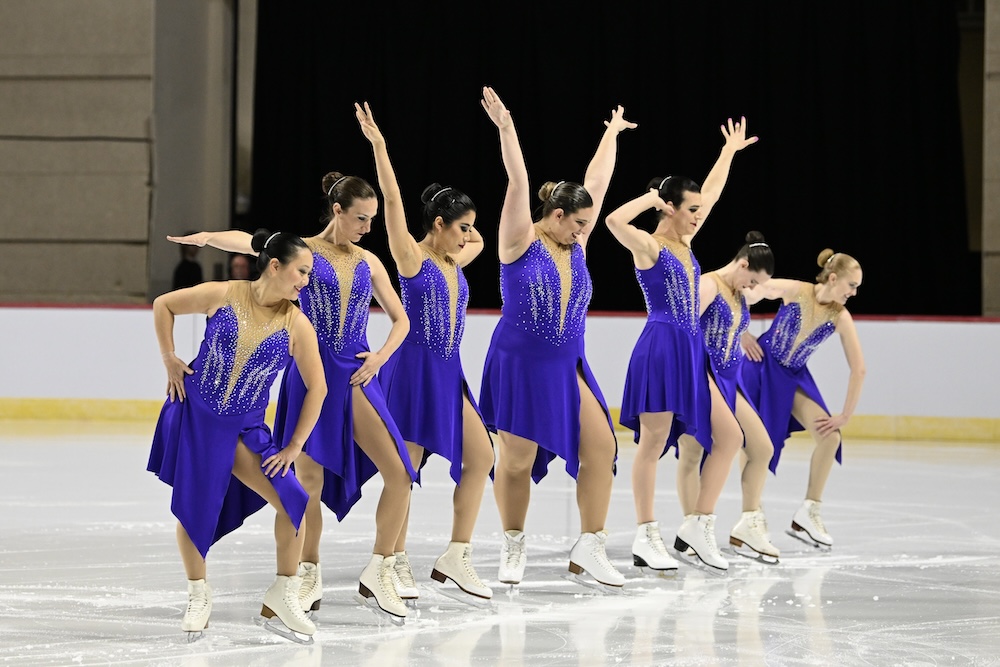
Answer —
115 122
991 162
76 97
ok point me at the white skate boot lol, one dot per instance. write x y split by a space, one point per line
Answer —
698 533
456 564
406 586
649 551
513 558
199 608
588 556
282 601
377 590
311 591
749 538
807 525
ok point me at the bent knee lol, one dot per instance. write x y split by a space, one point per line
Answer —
395 474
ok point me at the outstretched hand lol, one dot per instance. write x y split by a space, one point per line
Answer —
495 108
736 134
199 239
618 122
367 122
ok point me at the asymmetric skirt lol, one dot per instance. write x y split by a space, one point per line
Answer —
668 373
531 389
193 451
771 388
331 443
426 397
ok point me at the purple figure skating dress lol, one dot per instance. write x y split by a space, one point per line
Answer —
798 328
423 381
194 445
337 301
668 371
722 323
530 386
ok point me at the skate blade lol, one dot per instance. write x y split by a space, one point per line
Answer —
411 603
803 536
668 572
194 635
652 573
694 561
381 614
456 593
748 552
277 627
606 589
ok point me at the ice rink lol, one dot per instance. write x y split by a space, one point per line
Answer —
91 575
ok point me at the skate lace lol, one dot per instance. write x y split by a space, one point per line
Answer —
309 583
404 572
817 519
386 576
655 540
467 564
709 527
758 524
291 600
601 556
197 604
515 550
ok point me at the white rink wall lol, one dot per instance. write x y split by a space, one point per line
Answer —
925 368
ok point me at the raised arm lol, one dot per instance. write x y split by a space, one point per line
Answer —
393 307
404 248
856 362
204 298
639 242
602 165
736 140
516 231
305 350
231 240
472 248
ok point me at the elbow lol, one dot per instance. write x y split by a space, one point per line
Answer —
318 388
859 372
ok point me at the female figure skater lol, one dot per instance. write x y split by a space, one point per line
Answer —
355 436
423 381
538 393
780 385
724 318
667 391
211 443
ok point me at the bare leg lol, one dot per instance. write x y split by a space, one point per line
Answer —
310 475
757 454
477 461
726 440
806 411
288 541
597 460
654 427
689 453
416 456
194 564
374 439
512 480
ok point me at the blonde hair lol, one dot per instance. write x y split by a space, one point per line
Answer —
834 262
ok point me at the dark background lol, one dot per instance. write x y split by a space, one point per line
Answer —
855 103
